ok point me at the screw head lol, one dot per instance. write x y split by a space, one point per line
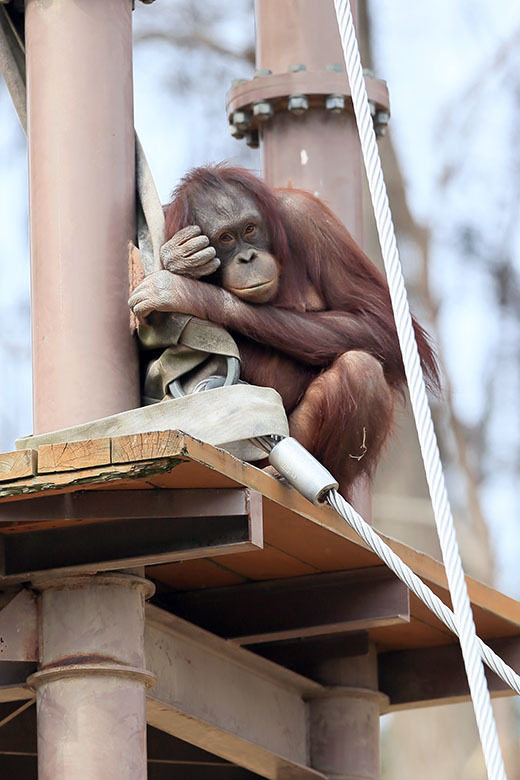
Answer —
334 67
296 67
263 110
261 72
297 104
335 103
241 120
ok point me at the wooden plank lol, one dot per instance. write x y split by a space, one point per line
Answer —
270 564
102 476
194 574
144 446
73 455
293 525
15 465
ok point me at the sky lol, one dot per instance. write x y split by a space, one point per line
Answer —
454 120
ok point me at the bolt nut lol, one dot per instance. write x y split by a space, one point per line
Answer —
252 139
335 103
261 72
296 67
334 68
263 110
235 132
381 123
297 104
241 120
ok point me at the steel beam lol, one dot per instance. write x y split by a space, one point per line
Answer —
226 700
114 529
297 607
410 678
19 629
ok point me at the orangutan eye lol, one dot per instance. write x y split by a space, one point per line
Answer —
250 230
226 238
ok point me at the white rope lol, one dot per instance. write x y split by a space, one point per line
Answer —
412 581
430 451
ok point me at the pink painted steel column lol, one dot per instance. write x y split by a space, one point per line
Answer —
344 722
91 682
319 150
81 156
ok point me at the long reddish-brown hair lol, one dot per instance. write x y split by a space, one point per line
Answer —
312 246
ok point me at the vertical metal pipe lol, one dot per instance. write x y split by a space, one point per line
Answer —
317 151
320 151
81 162
91 683
344 723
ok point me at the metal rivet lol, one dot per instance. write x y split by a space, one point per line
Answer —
297 104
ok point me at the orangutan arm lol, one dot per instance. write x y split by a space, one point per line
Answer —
312 337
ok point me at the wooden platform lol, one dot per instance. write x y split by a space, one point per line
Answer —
299 538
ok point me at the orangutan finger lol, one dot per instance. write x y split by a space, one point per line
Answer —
186 233
194 245
207 269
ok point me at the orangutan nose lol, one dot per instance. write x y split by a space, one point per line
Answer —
247 257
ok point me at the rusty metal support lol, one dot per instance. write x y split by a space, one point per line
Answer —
313 605
81 185
315 146
146 527
91 683
344 721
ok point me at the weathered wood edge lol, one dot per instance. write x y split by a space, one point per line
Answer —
181 447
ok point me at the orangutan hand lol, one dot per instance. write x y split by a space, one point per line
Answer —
188 253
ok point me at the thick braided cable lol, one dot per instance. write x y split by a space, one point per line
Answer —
416 585
430 452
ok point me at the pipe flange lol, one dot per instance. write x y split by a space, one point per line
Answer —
82 581
326 89
81 670
351 692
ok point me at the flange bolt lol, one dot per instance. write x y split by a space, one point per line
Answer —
241 120
263 110
297 104
335 103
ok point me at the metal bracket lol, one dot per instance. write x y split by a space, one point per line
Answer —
19 628
251 103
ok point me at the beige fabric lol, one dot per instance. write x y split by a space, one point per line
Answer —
226 417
